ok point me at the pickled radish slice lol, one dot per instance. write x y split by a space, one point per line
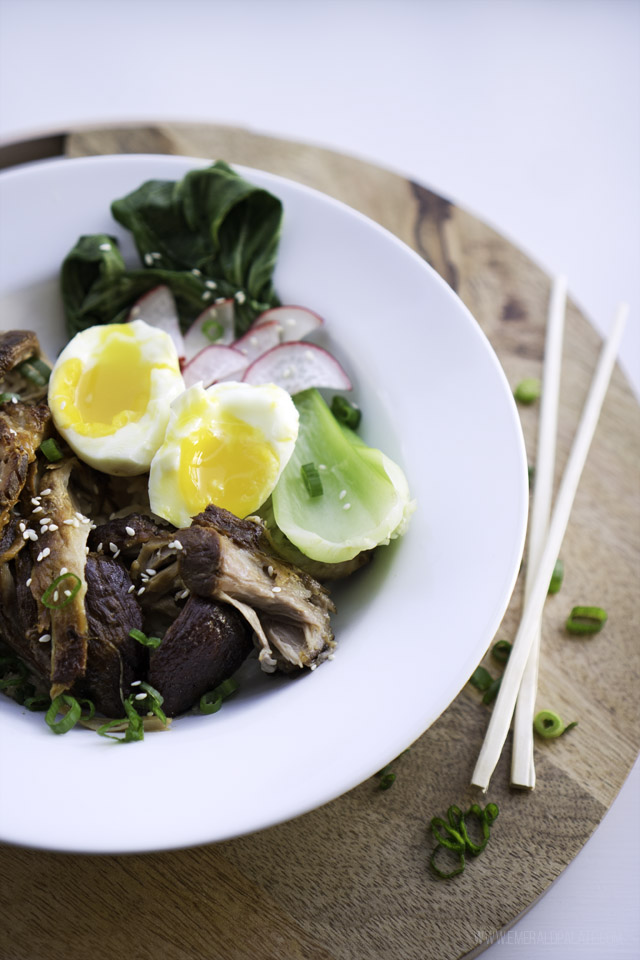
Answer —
298 366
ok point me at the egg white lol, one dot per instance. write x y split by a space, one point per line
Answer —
229 412
118 426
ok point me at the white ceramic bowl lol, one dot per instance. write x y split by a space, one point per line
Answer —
411 628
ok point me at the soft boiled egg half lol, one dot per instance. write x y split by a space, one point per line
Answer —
110 392
225 445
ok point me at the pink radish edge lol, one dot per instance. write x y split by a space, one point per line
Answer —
298 366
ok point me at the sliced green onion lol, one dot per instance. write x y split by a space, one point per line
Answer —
387 777
481 679
212 701
346 412
8 397
312 480
153 642
453 834
585 620
135 726
37 702
70 718
51 450
154 701
549 725
212 329
557 577
528 390
35 370
492 691
49 594
501 650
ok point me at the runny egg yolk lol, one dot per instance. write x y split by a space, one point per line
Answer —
228 463
98 400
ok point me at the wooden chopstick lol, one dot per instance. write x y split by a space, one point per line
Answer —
523 771
506 700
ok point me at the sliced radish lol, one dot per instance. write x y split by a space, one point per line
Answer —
215 362
297 366
257 340
158 309
202 332
295 322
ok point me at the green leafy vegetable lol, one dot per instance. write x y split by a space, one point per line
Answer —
366 498
211 226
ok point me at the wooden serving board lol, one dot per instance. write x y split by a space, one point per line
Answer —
350 881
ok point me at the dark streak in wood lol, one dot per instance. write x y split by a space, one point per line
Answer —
429 234
513 310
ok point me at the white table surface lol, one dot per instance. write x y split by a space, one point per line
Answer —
527 112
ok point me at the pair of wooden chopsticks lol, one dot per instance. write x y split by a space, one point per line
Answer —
520 678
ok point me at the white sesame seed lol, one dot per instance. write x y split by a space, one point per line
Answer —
11 430
44 529
32 535
196 272
100 547
63 570
276 589
36 501
322 466
131 588
144 578
175 545
45 493
270 570
92 526
28 582
38 510
74 522
67 593
45 520
53 526
313 666
68 523
206 294
56 596
40 557
347 506
140 696
112 547
150 572
241 296
220 300
253 341
183 595
148 259
104 246
46 552
22 526
86 550
342 495
44 638
63 404
211 284
80 516
331 656
115 556
287 372
26 534
130 531
140 591
136 683
14 399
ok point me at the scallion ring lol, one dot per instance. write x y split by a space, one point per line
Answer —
35 370
501 650
50 449
557 577
548 725
69 592
475 811
481 679
9 397
211 701
492 691
312 480
70 718
212 330
447 875
586 620
528 390
346 412
153 642
37 702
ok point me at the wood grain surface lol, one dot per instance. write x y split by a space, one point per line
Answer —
350 881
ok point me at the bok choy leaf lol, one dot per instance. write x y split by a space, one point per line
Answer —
365 501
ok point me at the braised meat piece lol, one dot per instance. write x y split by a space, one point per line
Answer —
114 658
205 645
22 429
16 346
229 560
